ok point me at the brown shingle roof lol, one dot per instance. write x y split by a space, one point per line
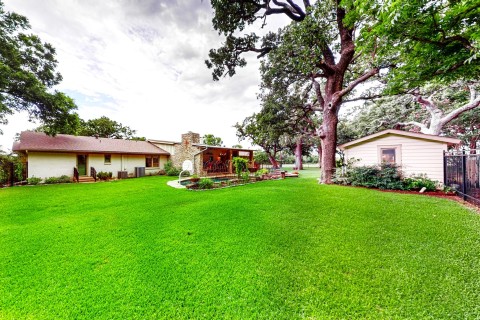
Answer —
38 141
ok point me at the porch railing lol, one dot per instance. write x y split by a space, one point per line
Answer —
93 173
76 175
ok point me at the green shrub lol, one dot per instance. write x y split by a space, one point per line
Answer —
51 180
419 182
170 170
384 177
240 165
261 172
34 180
64 179
205 183
245 177
104 175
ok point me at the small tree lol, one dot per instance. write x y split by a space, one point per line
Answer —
240 165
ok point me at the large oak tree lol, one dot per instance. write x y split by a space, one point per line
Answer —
343 44
27 76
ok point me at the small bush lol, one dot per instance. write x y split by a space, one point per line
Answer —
384 177
104 175
205 183
245 177
34 180
64 179
162 172
51 180
419 182
170 170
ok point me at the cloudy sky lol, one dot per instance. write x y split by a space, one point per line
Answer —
141 63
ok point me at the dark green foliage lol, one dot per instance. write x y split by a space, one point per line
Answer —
55 180
104 175
34 180
419 182
170 170
211 140
384 177
205 183
106 128
27 76
240 165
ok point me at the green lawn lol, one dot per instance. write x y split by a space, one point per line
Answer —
286 249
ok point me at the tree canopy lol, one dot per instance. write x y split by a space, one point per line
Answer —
28 74
338 45
211 140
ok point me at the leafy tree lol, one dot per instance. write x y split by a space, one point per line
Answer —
319 45
266 129
27 75
106 128
340 45
237 146
211 140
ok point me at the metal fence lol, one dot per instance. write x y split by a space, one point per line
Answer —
462 173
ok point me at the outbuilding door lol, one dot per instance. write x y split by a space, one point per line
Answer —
82 164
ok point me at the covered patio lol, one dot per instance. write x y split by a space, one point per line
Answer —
218 160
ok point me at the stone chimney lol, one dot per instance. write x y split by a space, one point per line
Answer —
189 138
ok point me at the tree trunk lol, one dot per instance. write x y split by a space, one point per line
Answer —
329 144
319 150
273 161
298 154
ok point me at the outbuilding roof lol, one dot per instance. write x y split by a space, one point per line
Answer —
39 141
415 135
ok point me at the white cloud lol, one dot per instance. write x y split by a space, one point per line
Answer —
141 63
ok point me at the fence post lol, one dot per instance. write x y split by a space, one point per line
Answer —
445 169
464 175
12 174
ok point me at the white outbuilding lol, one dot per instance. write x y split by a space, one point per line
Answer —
415 153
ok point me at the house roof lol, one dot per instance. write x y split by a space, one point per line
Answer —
38 141
414 135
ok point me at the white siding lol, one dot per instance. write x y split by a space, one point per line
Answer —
44 165
417 156
170 148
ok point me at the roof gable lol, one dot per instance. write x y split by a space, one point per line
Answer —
39 141
407 134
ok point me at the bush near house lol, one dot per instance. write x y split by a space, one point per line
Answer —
170 169
61 179
386 176
104 175
34 180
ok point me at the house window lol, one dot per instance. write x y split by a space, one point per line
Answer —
152 161
108 159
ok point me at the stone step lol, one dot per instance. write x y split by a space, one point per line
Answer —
85 179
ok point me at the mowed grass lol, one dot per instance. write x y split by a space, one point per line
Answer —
288 249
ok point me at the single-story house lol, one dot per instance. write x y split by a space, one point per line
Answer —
415 153
48 156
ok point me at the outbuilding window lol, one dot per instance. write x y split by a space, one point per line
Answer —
389 155
108 159
152 161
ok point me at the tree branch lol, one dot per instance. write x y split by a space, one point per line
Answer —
414 123
356 82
